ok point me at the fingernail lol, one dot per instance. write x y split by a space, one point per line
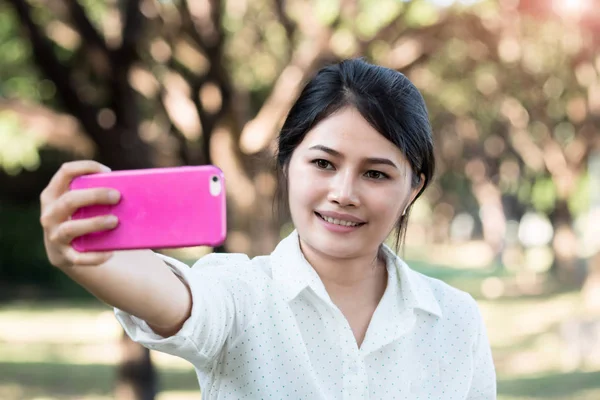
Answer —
111 219
106 169
114 195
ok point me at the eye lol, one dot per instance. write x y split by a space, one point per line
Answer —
376 175
322 164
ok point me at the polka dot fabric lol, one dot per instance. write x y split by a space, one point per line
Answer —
266 329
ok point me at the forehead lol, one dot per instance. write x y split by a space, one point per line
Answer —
347 132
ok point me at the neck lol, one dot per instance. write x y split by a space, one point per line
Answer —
346 277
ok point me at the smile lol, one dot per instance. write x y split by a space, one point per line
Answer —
340 222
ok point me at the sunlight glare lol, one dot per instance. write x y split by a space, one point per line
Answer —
571 8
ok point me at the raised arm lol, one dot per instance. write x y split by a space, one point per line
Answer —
137 282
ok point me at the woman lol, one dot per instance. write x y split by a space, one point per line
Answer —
332 313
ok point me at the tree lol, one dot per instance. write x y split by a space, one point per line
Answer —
192 82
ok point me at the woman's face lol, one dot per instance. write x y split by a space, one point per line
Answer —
348 186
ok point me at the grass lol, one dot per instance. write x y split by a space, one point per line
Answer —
69 381
574 385
67 350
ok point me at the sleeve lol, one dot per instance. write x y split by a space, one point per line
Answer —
223 303
483 384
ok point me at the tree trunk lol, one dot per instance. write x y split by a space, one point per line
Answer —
136 374
114 129
565 266
492 215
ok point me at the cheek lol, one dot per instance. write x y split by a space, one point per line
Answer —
387 209
300 187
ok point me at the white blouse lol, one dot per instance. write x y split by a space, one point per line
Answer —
266 329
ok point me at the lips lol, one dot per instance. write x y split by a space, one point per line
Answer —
340 219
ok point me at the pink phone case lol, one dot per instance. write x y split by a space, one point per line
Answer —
159 208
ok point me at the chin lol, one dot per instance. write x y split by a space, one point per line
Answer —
334 250
332 246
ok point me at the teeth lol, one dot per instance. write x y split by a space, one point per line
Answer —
338 221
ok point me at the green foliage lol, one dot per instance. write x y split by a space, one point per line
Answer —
421 13
579 201
524 192
96 10
480 82
18 75
23 261
374 15
327 10
543 195
22 255
17 149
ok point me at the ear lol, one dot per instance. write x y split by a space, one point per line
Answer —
415 191
285 169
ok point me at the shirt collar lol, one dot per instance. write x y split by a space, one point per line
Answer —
414 287
293 272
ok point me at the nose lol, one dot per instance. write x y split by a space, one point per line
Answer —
343 190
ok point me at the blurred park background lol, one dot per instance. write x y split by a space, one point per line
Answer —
513 89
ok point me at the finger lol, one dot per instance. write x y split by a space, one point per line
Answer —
73 200
87 259
68 171
69 230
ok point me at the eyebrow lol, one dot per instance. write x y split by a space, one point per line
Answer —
370 160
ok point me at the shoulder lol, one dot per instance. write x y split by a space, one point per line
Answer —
237 264
446 294
455 304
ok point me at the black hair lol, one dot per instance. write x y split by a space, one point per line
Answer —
384 97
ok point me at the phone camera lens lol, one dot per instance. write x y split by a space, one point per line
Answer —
215 179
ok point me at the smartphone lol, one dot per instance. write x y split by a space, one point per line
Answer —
159 208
